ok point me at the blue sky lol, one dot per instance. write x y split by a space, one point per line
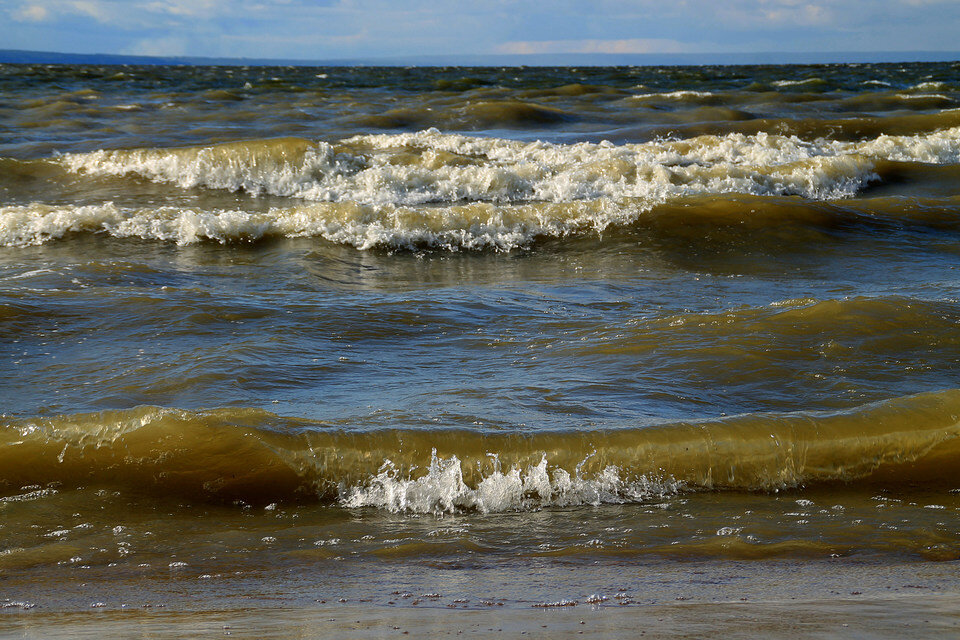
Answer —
330 29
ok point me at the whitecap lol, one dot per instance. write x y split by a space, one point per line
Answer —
442 489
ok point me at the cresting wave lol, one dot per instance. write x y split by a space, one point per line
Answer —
256 456
454 191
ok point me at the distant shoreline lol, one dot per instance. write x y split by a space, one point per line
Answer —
17 56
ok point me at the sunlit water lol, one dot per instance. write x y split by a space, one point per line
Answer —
270 317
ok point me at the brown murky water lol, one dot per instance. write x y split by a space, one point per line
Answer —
259 323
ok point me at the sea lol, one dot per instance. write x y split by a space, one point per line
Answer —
470 338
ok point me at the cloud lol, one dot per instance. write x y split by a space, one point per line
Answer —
374 28
95 9
171 46
793 13
30 13
58 10
184 8
796 13
632 45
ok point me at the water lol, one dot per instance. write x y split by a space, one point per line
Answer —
264 321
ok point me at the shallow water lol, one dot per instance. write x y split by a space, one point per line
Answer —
268 317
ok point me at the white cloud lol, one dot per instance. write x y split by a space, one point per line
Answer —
95 9
30 13
793 13
57 10
632 45
185 8
172 46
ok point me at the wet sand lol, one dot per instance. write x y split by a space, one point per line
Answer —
887 618
344 599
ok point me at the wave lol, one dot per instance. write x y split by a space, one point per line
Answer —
774 223
799 83
928 86
716 220
514 113
934 98
468 226
713 219
259 457
852 128
431 167
575 90
884 101
454 191
685 96
870 323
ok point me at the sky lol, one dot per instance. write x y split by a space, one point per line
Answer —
370 29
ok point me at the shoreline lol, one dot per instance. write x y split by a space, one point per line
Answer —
877 597
872 618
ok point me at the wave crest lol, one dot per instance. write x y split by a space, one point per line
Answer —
260 457
431 167
453 191
442 488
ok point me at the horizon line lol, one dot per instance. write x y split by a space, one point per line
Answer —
29 56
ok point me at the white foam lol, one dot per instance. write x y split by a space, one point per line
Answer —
29 496
729 531
921 96
928 86
677 95
445 168
795 83
442 489
37 223
364 226
558 603
255 169
936 148
454 191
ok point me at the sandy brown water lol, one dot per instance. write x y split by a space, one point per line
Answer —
276 336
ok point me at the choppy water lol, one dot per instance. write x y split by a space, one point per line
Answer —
282 315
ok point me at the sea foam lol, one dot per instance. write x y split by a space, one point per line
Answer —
459 192
443 489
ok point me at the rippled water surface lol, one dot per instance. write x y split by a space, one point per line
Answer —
258 317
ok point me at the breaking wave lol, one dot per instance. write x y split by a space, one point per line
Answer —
454 191
256 456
